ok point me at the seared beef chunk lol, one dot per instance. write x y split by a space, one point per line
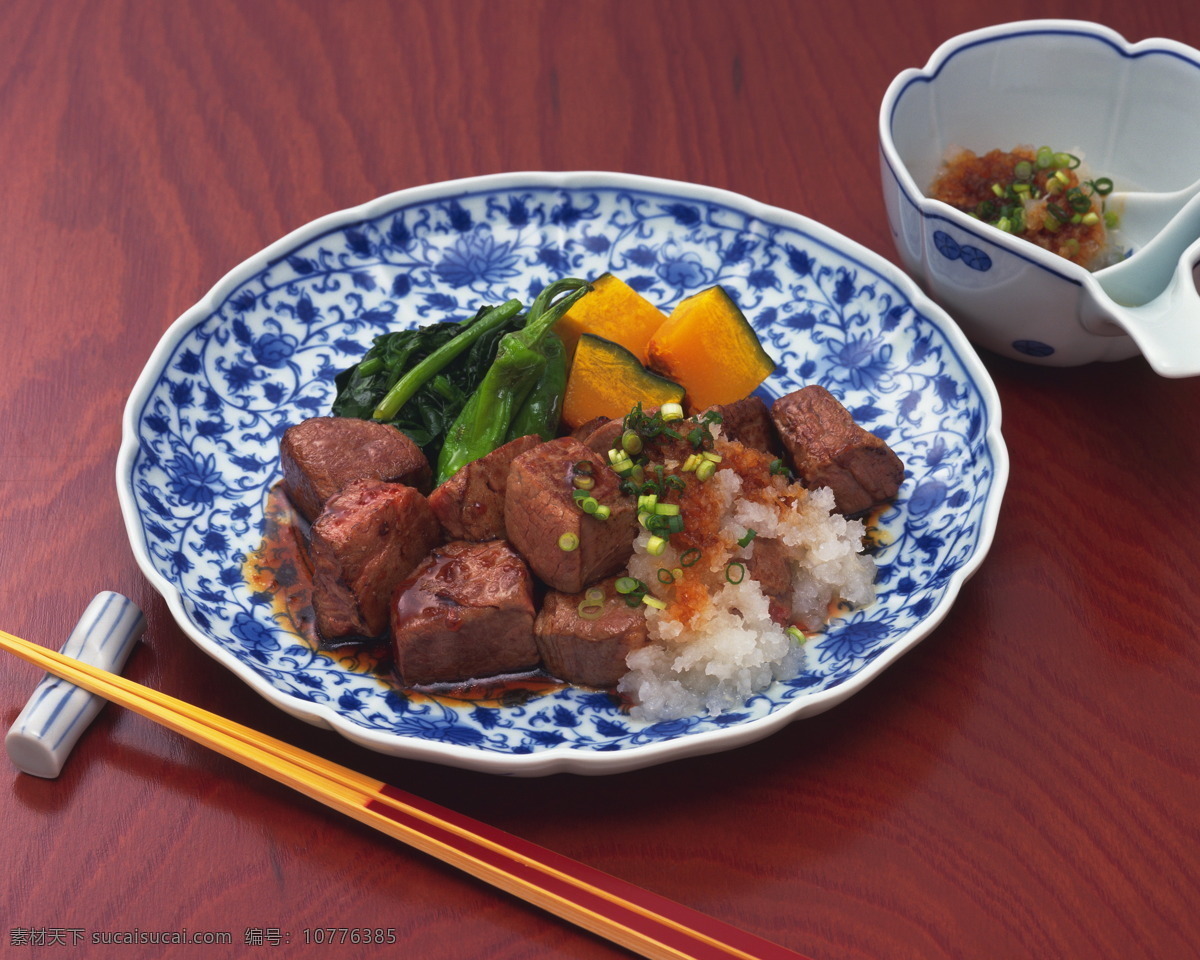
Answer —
604 436
539 509
768 564
368 538
322 455
466 612
828 449
470 505
584 430
749 422
589 651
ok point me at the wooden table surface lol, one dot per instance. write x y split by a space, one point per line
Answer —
1023 784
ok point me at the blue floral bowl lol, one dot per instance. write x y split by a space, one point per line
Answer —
259 352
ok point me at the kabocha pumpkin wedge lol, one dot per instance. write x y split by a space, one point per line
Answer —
607 380
708 347
615 311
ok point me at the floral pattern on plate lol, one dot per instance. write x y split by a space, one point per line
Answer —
260 352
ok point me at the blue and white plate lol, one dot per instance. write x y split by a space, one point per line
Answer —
259 352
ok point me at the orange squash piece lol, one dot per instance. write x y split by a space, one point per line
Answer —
708 347
606 380
615 311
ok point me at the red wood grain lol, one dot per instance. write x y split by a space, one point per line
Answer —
1022 785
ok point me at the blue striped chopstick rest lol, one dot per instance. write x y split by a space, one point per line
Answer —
46 730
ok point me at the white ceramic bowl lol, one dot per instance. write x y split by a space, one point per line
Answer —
1130 110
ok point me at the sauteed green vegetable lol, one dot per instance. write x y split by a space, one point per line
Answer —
460 390
521 360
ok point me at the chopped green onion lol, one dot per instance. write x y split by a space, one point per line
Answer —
590 609
667 509
631 442
647 501
1103 186
705 470
1080 202
568 542
1023 170
672 524
735 571
795 633
689 557
628 584
665 575
594 593
997 190
691 463
589 504
779 468
653 601
1045 158
655 546
1090 218
751 533
709 455
671 411
602 512
1111 220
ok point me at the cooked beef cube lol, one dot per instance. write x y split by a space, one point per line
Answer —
828 449
466 612
589 651
470 505
604 437
584 430
768 564
369 537
539 509
321 455
749 422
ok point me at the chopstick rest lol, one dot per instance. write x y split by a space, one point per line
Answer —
58 713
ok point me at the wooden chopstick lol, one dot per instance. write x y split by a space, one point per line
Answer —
650 925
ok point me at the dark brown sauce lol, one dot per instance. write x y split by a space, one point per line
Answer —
877 536
280 569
